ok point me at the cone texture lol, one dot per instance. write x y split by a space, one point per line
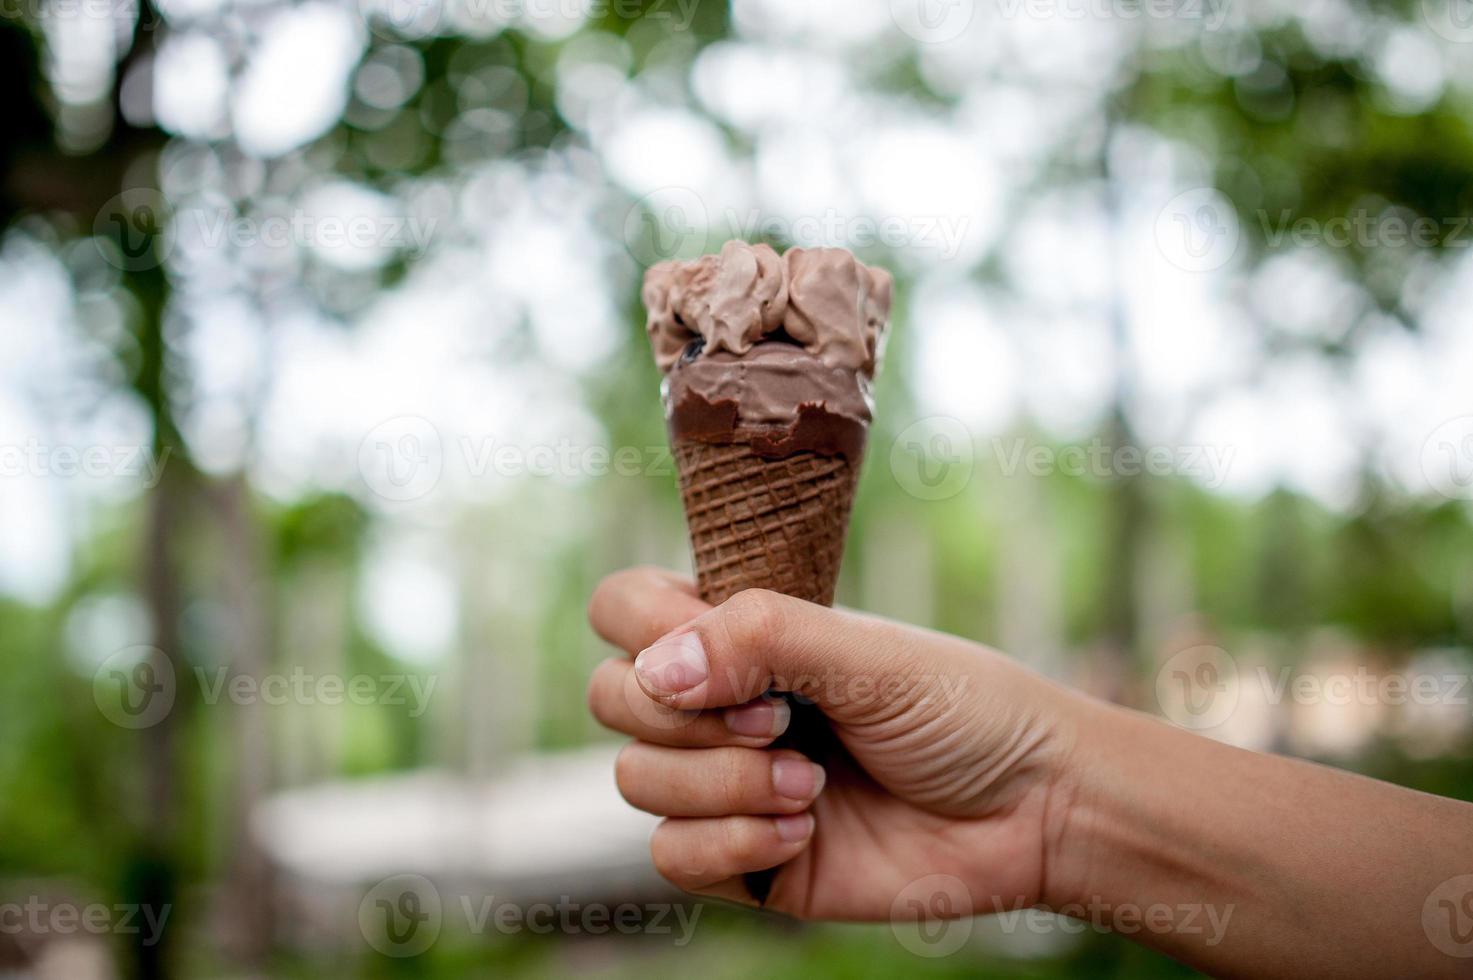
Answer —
759 523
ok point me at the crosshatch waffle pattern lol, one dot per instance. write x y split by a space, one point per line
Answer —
759 523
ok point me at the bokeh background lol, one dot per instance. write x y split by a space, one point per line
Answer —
325 401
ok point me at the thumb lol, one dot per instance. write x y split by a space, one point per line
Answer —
850 665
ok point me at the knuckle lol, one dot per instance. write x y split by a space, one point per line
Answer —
602 595
663 854
611 595
662 864
626 772
648 576
731 780
754 618
660 853
598 693
741 841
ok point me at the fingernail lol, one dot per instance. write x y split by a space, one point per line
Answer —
673 665
760 719
797 827
797 779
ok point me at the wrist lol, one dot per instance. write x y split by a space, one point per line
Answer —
1142 815
1108 819
1067 815
1235 862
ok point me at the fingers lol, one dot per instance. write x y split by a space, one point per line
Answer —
634 608
703 854
716 782
759 640
619 703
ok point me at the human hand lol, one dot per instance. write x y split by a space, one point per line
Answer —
947 758
948 755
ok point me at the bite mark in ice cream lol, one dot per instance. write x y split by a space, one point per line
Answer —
778 352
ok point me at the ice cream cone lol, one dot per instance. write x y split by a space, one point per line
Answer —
769 364
762 523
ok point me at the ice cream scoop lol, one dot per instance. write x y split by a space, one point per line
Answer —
783 349
823 300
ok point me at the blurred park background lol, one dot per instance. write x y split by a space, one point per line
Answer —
325 402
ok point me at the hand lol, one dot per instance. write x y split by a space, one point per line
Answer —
949 759
949 762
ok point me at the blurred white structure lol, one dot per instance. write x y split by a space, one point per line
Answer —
550 826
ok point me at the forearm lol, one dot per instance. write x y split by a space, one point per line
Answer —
1269 866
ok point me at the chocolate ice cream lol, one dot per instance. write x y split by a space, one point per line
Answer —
777 352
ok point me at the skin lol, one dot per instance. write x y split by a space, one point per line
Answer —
952 759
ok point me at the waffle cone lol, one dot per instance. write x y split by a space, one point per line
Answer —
762 523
